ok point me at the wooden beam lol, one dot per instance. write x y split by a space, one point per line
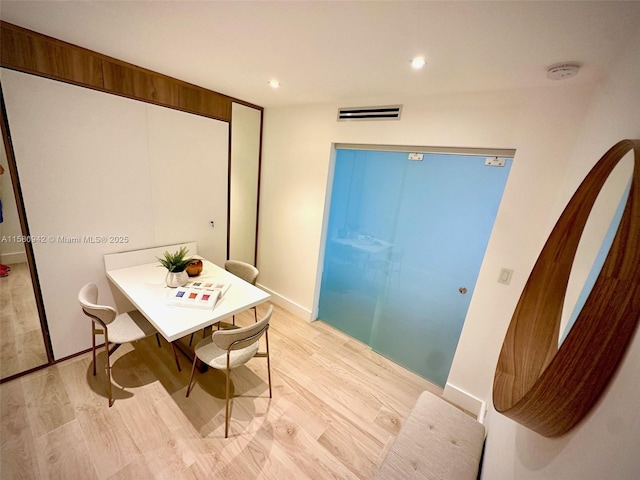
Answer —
31 52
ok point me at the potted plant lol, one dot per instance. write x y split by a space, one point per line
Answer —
176 263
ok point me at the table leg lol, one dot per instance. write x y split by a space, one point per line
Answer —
187 350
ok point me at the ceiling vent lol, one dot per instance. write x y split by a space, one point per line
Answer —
390 112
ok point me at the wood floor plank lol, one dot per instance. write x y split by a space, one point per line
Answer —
335 411
389 419
5 294
63 454
138 469
10 364
165 460
18 454
367 376
48 403
31 351
356 450
315 462
21 342
269 458
307 410
82 387
108 438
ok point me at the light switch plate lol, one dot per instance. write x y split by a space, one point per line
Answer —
505 276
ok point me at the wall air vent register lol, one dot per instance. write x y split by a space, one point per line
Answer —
390 112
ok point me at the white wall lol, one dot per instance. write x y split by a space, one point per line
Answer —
558 135
606 444
541 124
98 165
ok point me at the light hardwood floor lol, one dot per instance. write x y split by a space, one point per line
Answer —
336 408
21 342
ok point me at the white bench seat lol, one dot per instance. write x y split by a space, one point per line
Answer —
437 441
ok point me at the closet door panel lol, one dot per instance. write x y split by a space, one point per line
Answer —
245 179
189 172
82 159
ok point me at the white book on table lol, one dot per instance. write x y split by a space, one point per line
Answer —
209 284
204 298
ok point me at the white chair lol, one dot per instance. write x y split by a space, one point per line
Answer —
246 272
228 349
117 329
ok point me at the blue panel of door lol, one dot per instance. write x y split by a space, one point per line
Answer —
405 243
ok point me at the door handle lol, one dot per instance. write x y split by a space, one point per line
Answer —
462 290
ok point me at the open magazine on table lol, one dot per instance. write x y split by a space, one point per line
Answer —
202 293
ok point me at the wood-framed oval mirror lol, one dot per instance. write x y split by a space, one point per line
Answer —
548 387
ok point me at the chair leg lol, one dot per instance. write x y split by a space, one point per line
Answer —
175 355
158 340
255 314
93 346
191 340
266 338
193 371
233 320
108 373
226 409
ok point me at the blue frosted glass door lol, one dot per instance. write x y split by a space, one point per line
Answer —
405 242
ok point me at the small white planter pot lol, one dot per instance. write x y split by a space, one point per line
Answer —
176 279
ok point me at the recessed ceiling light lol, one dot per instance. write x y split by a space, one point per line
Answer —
418 62
274 83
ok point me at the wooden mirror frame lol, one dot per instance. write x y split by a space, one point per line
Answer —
547 388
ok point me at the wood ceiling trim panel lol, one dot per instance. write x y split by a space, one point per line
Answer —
124 79
31 52
199 100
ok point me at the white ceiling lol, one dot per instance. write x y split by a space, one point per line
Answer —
339 52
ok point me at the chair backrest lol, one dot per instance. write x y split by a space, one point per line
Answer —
88 298
245 271
238 338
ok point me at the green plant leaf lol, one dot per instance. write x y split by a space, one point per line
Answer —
177 261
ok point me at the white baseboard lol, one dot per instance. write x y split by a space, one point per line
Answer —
465 400
9 258
288 305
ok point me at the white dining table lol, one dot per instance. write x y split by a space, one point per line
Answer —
145 287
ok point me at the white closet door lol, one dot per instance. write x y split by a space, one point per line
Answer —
189 172
127 174
82 159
